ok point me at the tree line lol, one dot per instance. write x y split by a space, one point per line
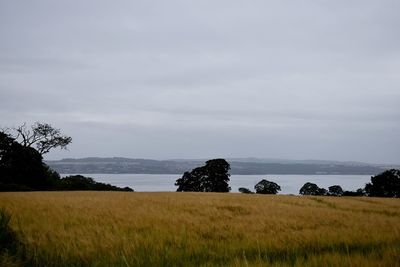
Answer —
214 177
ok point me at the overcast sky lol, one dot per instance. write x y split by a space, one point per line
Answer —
203 79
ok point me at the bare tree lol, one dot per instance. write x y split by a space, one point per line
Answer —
42 135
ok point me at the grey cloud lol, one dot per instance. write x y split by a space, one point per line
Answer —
161 79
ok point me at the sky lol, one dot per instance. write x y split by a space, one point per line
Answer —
203 79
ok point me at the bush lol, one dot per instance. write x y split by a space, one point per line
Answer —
245 190
358 193
8 187
79 182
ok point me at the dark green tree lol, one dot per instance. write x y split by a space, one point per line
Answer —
245 190
312 189
335 190
191 181
212 177
267 187
217 176
385 184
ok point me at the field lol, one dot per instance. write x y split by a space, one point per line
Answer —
201 229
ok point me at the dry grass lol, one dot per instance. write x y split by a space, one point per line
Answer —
204 229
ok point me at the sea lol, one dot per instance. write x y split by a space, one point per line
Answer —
290 184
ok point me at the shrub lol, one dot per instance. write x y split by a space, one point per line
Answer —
79 182
245 190
358 193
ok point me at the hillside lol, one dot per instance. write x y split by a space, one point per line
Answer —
238 166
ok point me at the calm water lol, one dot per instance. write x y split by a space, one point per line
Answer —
290 184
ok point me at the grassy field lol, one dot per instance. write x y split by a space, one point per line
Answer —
202 229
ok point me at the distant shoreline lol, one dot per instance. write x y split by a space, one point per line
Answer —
255 167
289 183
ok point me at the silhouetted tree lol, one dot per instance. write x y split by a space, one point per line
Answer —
41 135
312 189
213 177
217 175
335 190
267 187
245 190
358 193
79 182
22 168
191 181
385 184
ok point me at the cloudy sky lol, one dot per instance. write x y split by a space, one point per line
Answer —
201 79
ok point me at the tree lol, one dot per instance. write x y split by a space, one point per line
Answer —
213 177
217 176
22 168
335 190
267 187
312 189
190 181
245 190
385 184
43 136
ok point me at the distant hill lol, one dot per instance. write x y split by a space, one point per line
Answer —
238 166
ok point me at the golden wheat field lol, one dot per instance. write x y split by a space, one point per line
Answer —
202 229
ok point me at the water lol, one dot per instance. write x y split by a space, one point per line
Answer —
290 184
